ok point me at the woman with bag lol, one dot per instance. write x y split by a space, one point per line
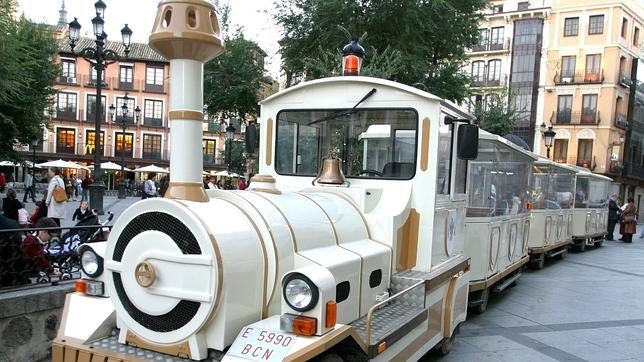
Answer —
56 196
630 220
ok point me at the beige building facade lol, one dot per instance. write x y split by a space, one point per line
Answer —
572 65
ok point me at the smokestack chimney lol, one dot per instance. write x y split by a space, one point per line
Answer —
187 33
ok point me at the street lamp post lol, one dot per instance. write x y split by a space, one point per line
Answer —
34 144
100 58
123 123
230 134
548 138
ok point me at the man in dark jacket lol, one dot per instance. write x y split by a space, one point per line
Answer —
613 216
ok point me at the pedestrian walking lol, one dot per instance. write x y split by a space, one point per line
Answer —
29 187
85 186
56 207
613 216
629 217
149 187
3 182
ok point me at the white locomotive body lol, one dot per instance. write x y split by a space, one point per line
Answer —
380 253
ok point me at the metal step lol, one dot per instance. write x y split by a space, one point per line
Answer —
390 323
499 287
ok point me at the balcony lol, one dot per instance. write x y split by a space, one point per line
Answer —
567 117
575 160
65 114
492 47
481 83
124 85
625 80
614 167
155 155
88 81
67 79
90 115
155 88
579 78
152 122
212 160
214 127
634 170
621 121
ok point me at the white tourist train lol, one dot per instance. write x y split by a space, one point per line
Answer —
362 235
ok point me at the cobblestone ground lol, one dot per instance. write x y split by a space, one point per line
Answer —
587 307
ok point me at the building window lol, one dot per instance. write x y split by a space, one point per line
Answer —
476 100
152 146
209 148
596 24
152 113
636 36
523 5
564 109
478 73
568 69
126 77
624 27
130 109
482 41
65 138
90 114
560 151
496 38
571 26
497 9
154 79
90 142
592 68
589 109
585 152
68 71
128 144
494 72
66 106
94 74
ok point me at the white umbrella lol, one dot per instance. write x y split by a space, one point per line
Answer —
226 173
111 166
151 168
7 163
62 164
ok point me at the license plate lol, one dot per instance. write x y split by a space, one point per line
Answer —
259 344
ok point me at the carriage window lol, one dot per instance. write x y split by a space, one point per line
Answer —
373 143
444 158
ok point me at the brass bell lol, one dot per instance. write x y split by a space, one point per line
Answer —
331 171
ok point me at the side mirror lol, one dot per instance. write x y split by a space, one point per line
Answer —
251 138
467 142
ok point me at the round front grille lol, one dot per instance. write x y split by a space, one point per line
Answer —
185 310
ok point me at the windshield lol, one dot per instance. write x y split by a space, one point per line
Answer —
373 143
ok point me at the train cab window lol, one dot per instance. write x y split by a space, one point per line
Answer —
373 143
448 162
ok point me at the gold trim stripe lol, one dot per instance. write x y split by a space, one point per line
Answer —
185 116
269 141
424 145
192 191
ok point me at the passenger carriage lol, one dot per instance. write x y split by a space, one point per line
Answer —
590 213
498 220
551 217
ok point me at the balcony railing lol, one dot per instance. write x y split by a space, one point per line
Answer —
625 80
490 82
634 170
581 162
153 122
621 121
579 78
88 81
155 88
90 115
212 160
65 114
70 79
575 118
492 47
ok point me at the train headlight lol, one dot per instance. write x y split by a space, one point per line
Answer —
91 263
300 293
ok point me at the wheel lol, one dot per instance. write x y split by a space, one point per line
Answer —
447 344
485 297
539 262
582 246
369 172
598 244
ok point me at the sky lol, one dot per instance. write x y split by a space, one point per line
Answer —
252 16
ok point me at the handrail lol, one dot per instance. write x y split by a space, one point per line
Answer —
375 306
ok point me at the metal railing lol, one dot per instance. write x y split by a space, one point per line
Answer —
26 260
621 121
579 78
491 46
567 117
116 83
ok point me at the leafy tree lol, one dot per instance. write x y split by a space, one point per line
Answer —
420 42
499 113
232 81
28 71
